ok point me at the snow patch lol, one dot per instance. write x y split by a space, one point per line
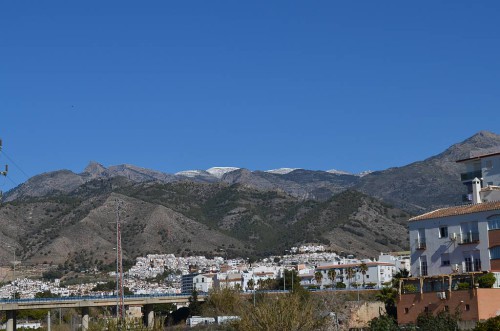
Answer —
364 173
281 171
191 173
220 171
338 172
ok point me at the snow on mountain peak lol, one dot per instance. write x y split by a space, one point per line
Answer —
364 173
191 173
220 171
281 171
338 172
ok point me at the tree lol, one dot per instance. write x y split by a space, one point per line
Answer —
491 324
194 304
318 276
331 276
443 321
251 284
52 274
363 268
350 274
291 277
383 323
487 280
388 296
402 273
225 301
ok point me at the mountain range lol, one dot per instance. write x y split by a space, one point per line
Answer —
66 218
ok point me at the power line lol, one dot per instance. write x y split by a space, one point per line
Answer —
16 165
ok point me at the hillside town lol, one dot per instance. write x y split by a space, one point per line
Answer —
185 274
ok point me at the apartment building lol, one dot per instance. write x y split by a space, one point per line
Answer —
451 247
462 238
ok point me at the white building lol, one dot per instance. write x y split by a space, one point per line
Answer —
401 260
456 240
462 238
203 282
378 273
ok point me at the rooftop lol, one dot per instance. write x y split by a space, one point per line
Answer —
458 210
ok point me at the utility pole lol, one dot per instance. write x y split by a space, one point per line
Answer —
120 308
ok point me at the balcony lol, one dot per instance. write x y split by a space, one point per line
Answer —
469 238
471 175
421 245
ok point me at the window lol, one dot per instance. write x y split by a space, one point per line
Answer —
468 264
446 308
467 307
423 266
407 310
421 239
426 309
495 253
469 232
494 222
488 164
443 232
445 259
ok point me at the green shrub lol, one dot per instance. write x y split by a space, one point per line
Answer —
487 280
463 286
409 288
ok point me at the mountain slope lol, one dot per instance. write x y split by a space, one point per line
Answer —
429 184
78 229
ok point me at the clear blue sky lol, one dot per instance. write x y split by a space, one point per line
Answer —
176 85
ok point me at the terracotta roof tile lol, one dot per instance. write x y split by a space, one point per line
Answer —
459 210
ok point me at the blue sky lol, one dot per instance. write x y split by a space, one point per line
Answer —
351 85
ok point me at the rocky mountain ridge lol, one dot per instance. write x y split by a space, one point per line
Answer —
67 218
417 187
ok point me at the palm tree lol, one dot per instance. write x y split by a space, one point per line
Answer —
331 275
350 274
251 284
318 276
388 296
364 269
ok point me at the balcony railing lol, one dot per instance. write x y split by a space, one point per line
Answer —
471 175
469 238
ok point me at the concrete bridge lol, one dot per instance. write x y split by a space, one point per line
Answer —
11 306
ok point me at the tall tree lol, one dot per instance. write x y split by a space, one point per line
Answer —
318 277
350 274
388 296
363 268
331 276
